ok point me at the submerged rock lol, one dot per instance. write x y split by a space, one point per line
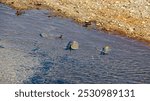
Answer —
105 50
72 45
51 36
20 12
60 37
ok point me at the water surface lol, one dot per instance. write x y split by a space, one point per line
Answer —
128 62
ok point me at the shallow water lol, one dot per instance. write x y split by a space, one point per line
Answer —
128 62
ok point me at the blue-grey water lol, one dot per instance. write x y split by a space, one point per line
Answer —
128 61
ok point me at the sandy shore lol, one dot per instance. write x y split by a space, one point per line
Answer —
130 18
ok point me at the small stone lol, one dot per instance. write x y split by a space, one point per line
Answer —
86 23
19 12
105 50
60 37
72 45
131 29
44 35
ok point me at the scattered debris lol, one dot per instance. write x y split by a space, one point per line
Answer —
105 50
72 45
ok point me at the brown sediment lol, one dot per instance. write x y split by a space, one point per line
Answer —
124 34
130 18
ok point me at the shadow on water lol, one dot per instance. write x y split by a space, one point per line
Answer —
43 77
40 80
59 72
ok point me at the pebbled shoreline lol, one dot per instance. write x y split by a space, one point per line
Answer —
130 18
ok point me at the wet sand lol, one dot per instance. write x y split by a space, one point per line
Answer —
49 62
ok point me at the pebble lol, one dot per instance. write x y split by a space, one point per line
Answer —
72 45
19 12
44 35
105 50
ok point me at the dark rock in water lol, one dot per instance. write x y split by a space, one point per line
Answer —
60 37
72 45
20 12
44 35
105 50
49 16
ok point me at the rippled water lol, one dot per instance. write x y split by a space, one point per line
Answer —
128 62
